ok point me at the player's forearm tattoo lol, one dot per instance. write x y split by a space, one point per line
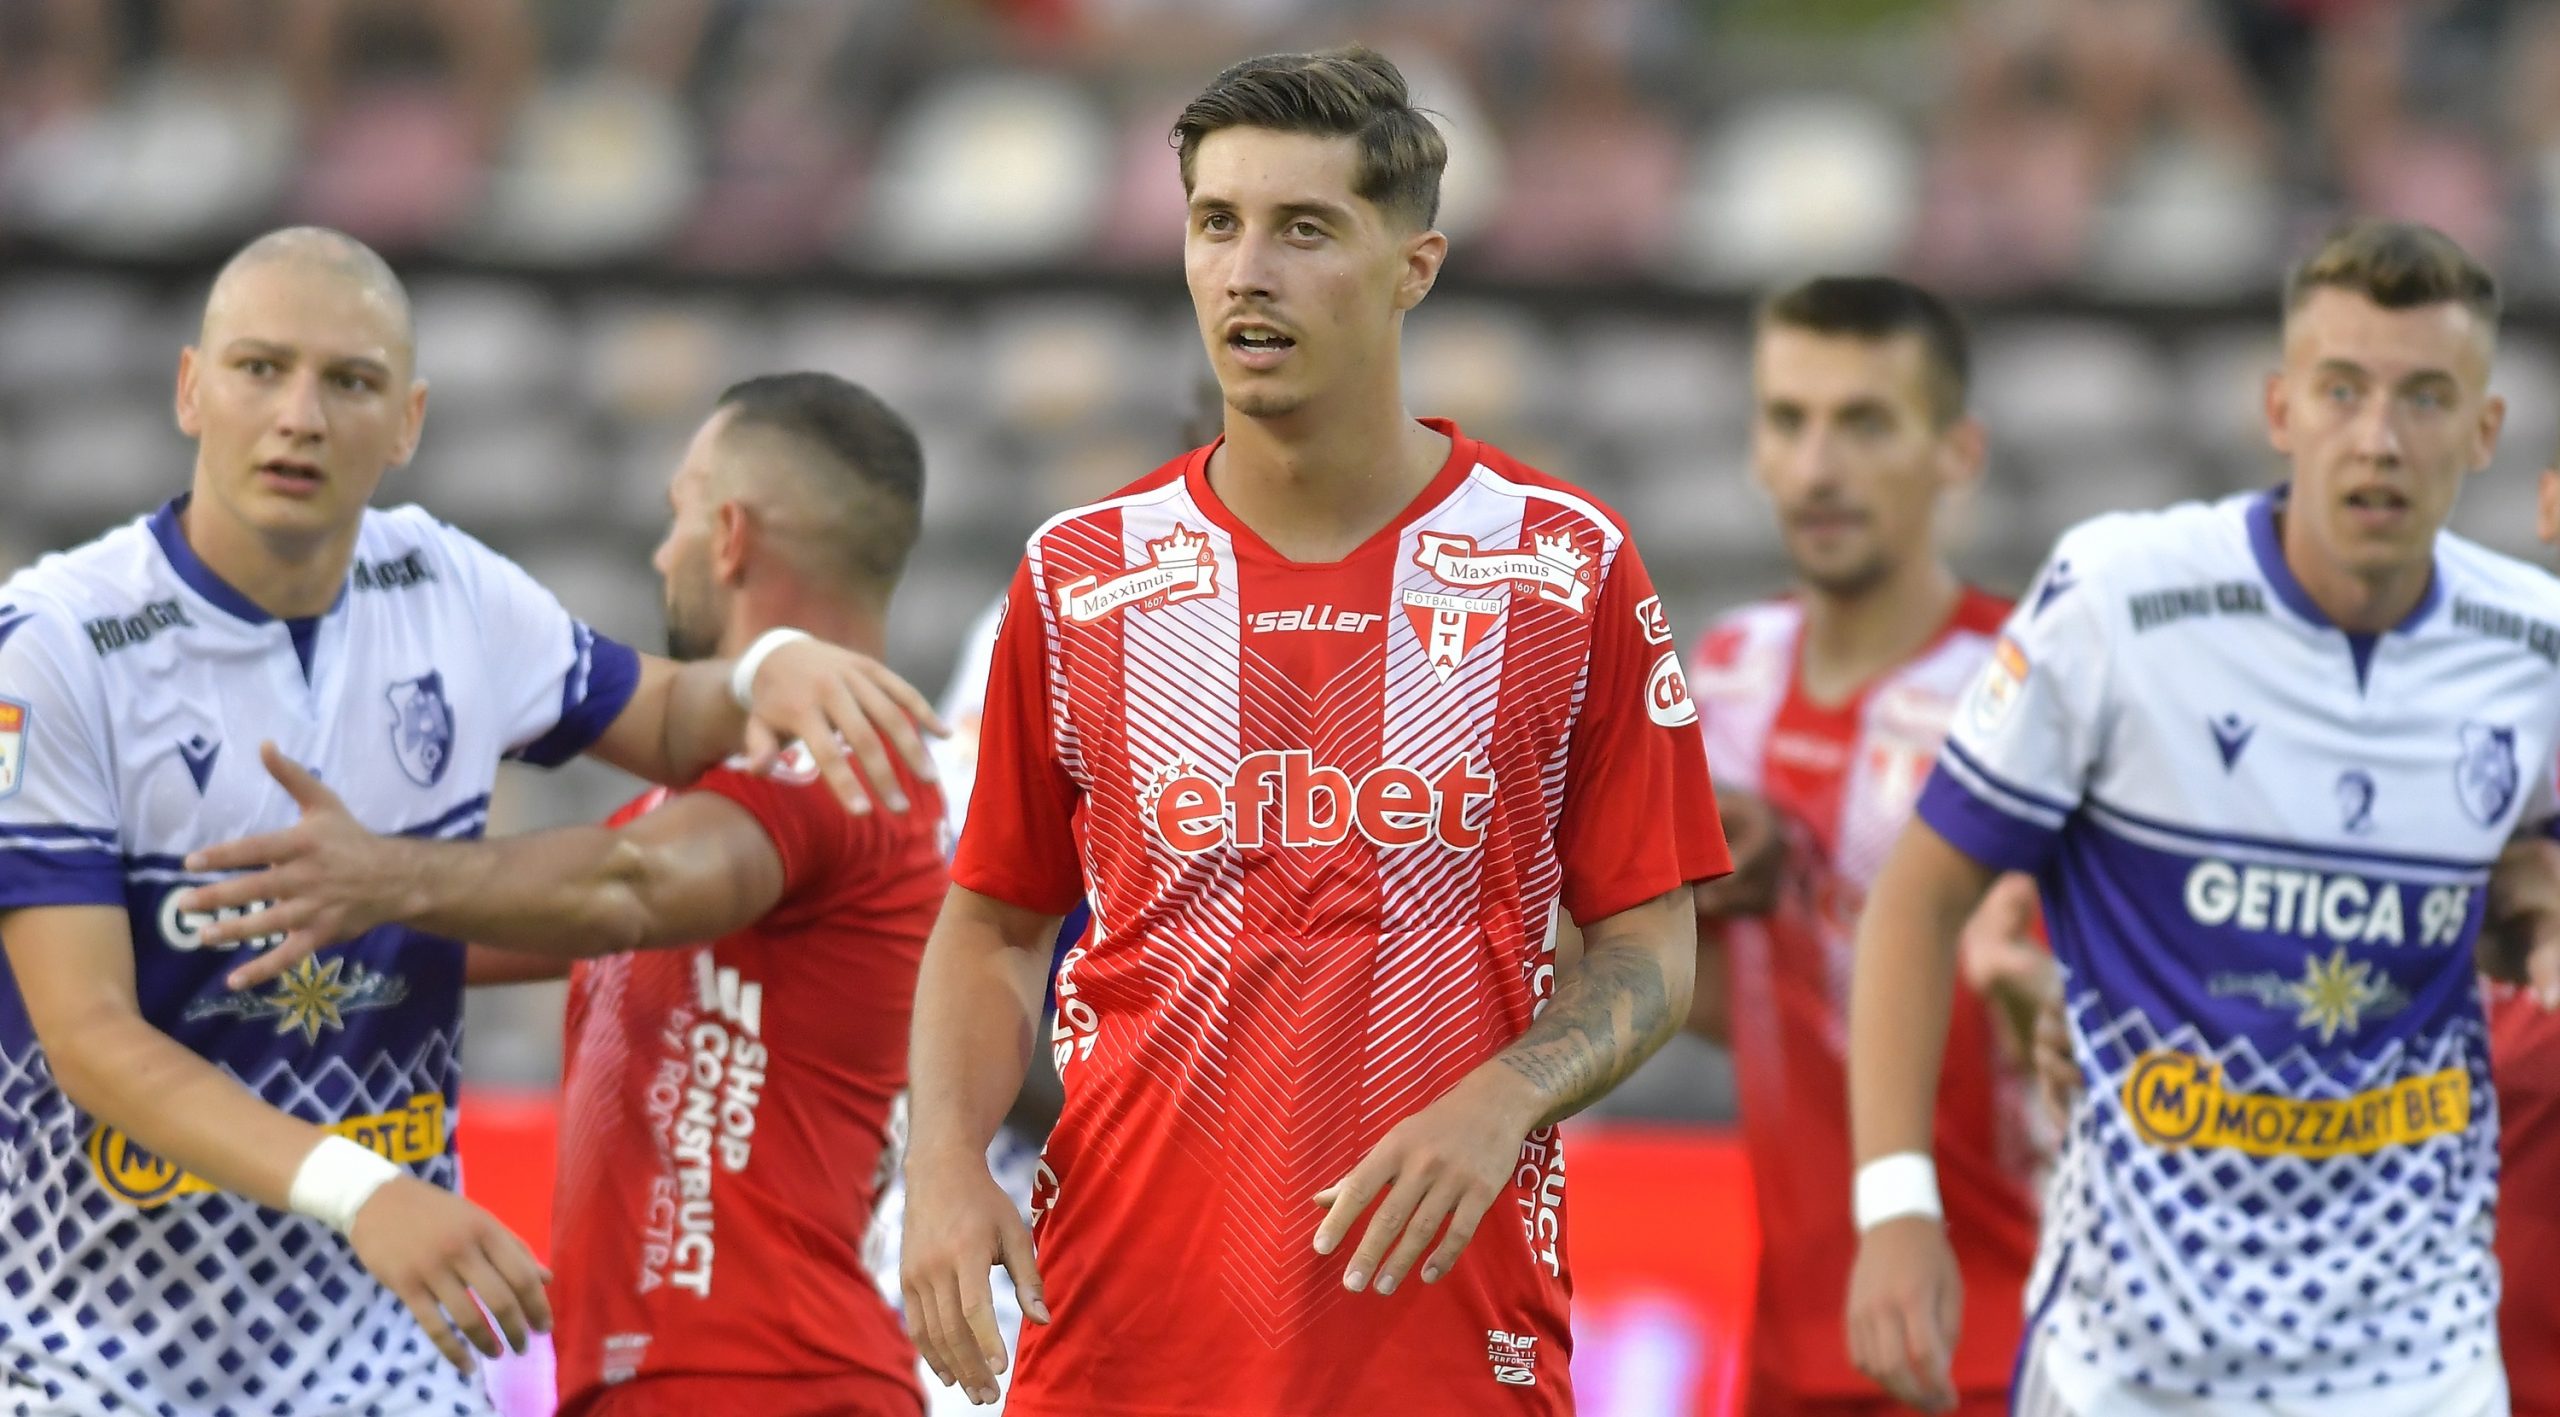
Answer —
1607 1016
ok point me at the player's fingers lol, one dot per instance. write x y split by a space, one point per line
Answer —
496 1297
1925 1358
871 726
1022 1261
1430 1215
818 737
422 1307
249 852
917 1306
763 747
267 964
1462 1228
1345 1199
1403 1196
973 1343
912 705
232 892
280 917
523 1275
307 791
453 1294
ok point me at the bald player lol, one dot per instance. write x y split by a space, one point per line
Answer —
229 1174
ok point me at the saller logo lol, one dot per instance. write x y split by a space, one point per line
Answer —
1551 566
1392 805
1179 567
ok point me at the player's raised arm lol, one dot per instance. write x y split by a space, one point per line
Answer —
695 869
447 1259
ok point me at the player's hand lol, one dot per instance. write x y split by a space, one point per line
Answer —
2002 961
960 1226
1441 1167
2520 932
1906 1306
322 880
449 1260
1758 843
840 705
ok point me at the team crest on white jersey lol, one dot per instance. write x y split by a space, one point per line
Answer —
422 728
1449 626
2487 777
13 745
1179 567
1552 567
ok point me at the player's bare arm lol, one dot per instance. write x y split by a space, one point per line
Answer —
440 1253
1759 847
1905 1296
2520 936
695 869
846 708
487 965
1443 1166
977 1007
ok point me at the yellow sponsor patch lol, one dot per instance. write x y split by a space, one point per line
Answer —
413 1134
2178 1100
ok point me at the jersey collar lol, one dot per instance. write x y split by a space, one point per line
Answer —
2268 547
200 578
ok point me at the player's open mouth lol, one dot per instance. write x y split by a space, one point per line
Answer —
2377 499
1259 346
290 477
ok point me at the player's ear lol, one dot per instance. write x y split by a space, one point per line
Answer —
2493 420
1962 449
188 368
733 530
1423 253
2279 415
413 421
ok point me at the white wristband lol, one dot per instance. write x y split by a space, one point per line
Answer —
335 1181
742 677
1891 1187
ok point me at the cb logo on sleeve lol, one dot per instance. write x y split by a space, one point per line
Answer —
1666 694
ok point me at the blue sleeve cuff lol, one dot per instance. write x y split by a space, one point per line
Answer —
1975 826
598 687
80 876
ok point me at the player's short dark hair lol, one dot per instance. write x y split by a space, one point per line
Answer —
2398 265
1880 308
1353 92
866 469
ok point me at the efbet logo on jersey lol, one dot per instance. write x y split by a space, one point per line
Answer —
13 746
2178 1100
1551 566
414 1134
1393 806
422 728
1179 567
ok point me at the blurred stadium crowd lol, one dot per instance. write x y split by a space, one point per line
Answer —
609 211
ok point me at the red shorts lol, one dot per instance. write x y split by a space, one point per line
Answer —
1768 1400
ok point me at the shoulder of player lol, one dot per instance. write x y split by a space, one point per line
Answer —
115 577
1745 628
1156 486
1498 471
2491 593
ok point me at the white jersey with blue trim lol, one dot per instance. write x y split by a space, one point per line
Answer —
2263 844
135 688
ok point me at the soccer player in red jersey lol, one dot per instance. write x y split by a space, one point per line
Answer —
1332 715
1823 710
745 955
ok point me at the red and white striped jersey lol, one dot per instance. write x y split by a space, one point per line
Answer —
1842 779
1327 813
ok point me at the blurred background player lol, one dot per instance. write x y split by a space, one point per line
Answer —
1327 614
169 1115
2263 754
727 1119
1826 707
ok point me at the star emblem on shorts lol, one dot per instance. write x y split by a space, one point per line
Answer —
2333 994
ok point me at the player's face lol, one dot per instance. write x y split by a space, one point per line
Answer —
2384 413
299 397
1300 284
683 559
1844 441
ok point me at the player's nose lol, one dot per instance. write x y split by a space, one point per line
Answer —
299 414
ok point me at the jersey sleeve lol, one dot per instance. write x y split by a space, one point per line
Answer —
964 704
1639 813
564 683
59 833
2025 739
812 834
1020 845
1729 739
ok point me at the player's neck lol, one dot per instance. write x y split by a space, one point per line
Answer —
1316 485
859 628
1850 639
2359 605
289 578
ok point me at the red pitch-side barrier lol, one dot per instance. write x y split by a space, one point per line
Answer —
1661 1235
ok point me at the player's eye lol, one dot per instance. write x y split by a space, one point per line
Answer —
353 383
1305 230
257 368
1217 221
2339 392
